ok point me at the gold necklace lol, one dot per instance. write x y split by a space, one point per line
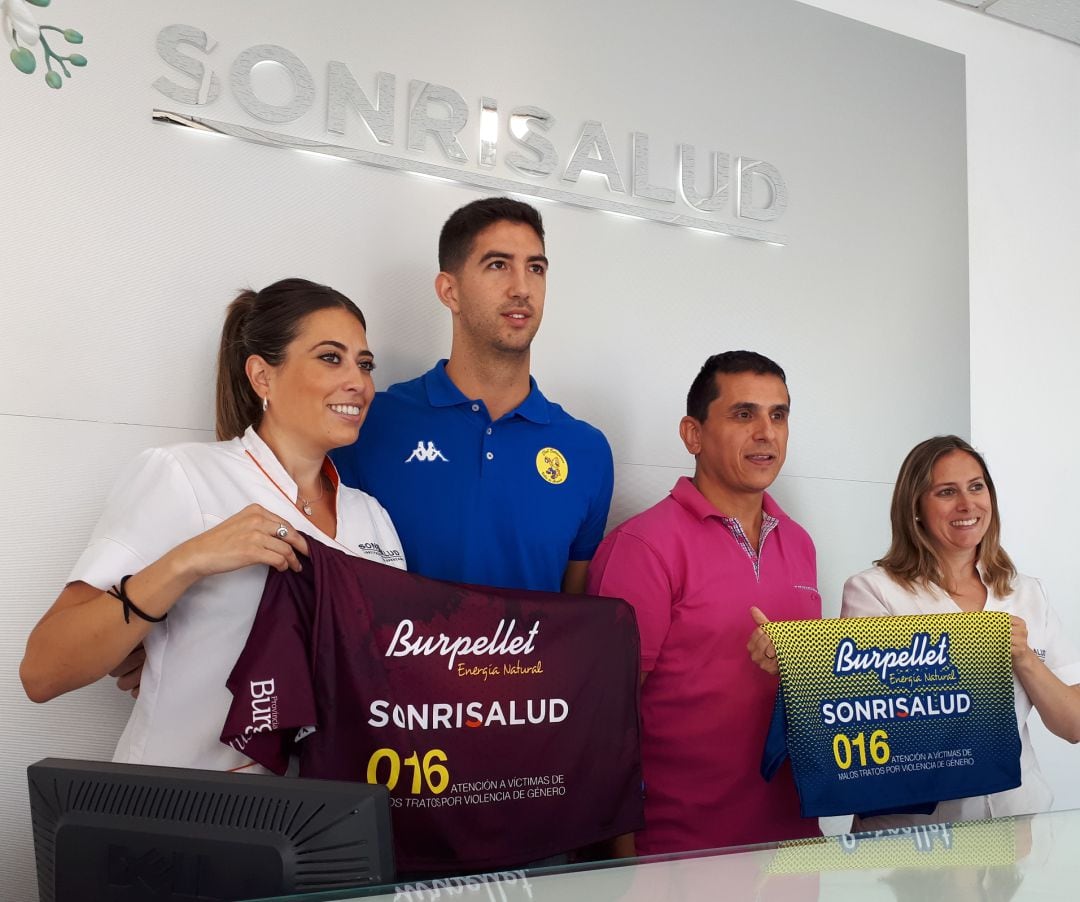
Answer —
304 504
349 551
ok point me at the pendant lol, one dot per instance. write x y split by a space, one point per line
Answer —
306 508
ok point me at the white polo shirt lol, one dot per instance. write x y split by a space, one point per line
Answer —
873 593
165 497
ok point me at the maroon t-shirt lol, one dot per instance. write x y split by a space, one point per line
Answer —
504 722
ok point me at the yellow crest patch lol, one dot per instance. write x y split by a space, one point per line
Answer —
552 466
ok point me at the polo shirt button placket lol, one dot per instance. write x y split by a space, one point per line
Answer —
487 455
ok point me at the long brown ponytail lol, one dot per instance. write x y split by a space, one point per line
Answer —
263 323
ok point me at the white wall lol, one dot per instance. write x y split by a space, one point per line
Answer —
1023 199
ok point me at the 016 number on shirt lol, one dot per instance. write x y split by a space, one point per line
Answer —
844 748
429 772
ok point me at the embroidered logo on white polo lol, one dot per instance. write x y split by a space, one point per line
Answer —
428 453
376 550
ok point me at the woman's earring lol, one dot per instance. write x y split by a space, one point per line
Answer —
266 403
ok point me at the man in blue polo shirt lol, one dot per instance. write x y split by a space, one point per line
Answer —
486 480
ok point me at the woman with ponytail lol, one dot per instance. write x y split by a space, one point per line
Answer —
178 560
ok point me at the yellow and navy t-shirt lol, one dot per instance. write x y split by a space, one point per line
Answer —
885 714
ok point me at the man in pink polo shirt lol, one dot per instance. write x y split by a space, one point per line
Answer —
692 566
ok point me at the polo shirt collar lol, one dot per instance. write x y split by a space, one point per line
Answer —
990 596
253 444
442 392
687 494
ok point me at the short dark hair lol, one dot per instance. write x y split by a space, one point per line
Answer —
460 230
704 390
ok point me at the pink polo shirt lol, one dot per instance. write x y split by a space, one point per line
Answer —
705 707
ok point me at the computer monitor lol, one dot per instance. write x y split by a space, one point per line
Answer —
129 833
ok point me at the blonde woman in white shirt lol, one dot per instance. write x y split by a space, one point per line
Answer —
178 560
946 557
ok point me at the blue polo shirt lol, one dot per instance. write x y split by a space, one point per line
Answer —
504 503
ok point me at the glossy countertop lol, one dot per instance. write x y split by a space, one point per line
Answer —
1035 857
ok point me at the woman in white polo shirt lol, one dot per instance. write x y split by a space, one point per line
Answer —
946 557
179 557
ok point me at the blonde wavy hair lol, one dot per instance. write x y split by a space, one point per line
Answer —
911 559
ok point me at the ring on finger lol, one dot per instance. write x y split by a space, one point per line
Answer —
282 531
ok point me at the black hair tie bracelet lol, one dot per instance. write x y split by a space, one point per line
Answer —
120 595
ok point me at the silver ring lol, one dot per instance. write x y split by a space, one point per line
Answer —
282 531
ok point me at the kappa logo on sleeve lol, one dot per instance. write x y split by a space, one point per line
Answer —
426 454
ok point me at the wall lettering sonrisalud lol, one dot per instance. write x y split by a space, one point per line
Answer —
739 197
